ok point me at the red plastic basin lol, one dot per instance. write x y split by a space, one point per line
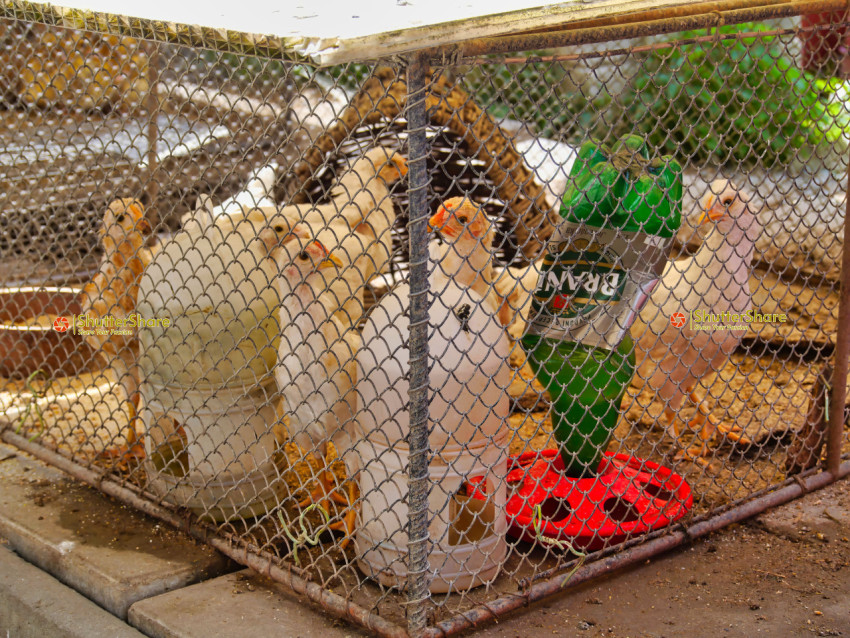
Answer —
628 497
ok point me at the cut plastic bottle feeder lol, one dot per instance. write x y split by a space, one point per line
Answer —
467 440
208 385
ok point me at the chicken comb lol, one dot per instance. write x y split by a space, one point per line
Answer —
325 252
136 209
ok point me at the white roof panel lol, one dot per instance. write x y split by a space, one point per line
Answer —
333 31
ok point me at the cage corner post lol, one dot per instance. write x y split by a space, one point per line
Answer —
418 539
152 110
841 355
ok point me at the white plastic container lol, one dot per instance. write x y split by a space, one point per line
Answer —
468 412
467 534
209 373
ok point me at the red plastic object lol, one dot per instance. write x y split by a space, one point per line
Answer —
628 497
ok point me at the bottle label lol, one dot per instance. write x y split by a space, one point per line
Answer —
593 283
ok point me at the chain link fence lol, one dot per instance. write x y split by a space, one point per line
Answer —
426 341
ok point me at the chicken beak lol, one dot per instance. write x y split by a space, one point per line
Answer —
330 261
401 164
439 224
144 226
714 211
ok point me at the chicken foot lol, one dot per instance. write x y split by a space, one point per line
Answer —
327 490
134 447
707 428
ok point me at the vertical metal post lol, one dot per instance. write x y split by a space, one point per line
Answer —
152 109
418 483
841 356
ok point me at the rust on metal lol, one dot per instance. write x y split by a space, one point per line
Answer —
578 34
419 393
665 13
152 108
841 356
805 450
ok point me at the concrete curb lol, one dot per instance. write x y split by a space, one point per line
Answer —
108 552
238 605
36 605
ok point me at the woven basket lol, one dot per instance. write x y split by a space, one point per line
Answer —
470 156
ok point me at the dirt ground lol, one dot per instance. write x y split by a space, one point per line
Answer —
784 574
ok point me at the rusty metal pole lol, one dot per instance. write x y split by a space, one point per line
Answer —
418 482
152 109
841 356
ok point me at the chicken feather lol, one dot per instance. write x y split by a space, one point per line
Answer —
466 257
316 369
356 226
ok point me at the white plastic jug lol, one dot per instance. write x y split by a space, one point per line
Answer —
470 375
467 533
210 371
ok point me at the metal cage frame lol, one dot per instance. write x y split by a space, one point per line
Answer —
416 65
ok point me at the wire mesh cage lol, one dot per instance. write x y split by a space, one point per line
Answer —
424 337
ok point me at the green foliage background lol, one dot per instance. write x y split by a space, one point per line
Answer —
736 102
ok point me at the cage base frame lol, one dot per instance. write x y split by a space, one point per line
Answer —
352 612
554 581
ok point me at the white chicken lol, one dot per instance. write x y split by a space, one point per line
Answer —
470 374
465 257
316 367
673 360
467 342
516 286
356 226
256 193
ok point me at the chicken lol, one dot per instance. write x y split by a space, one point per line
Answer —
356 226
466 255
201 217
112 292
256 193
55 69
316 368
673 360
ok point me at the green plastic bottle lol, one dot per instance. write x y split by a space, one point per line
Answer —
619 213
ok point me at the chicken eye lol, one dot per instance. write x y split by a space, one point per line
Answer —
120 219
278 229
462 219
303 256
727 201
